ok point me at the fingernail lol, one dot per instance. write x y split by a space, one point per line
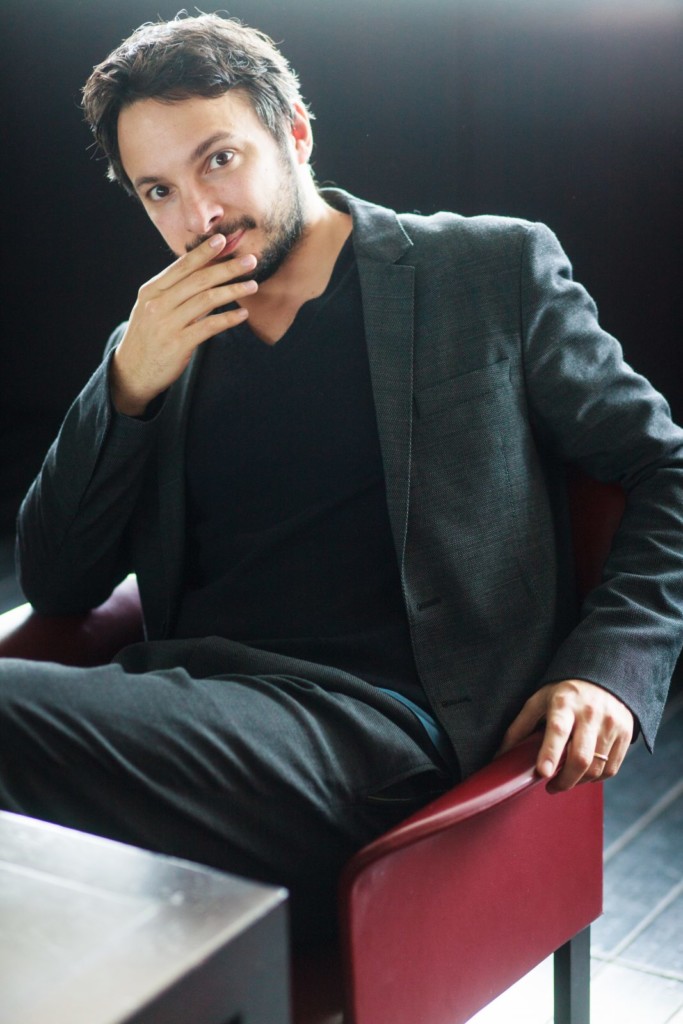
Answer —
247 261
217 241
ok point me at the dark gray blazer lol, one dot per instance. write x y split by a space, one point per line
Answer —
490 373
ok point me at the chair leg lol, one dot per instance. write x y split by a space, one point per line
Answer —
573 980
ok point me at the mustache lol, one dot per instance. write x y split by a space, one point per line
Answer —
227 229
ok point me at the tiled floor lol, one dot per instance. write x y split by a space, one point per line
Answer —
637 963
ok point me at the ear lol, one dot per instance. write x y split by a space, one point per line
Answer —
302 133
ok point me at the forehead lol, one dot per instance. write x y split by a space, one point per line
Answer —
151 131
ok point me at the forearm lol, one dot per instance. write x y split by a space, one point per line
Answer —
593 410
73 532
73 524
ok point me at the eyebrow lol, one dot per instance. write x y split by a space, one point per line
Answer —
196 154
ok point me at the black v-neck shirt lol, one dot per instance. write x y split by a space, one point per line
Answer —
289 543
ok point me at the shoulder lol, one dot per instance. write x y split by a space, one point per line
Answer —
491 255
482 237
472 243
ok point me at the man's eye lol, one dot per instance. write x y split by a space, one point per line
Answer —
157 192
221 159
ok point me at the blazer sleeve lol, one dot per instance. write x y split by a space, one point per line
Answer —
72 546
592 409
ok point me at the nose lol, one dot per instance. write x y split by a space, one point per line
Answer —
202 211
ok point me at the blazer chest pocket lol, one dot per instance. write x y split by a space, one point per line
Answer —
457 404
439 398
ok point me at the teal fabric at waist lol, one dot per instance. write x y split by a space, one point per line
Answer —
433 729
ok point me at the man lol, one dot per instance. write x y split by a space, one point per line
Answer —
330 441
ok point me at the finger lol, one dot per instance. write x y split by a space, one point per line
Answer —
197 295
580 764
615 755
209 326
201 305
215 275
613 741
559 724
598 768
190 262
182 282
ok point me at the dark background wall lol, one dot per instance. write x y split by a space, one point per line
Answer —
566 113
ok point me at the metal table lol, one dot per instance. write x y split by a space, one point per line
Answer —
96 932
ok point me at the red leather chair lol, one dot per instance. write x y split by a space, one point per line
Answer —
447 910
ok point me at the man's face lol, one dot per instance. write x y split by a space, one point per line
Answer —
202 166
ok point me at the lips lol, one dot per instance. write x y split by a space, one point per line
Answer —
231 243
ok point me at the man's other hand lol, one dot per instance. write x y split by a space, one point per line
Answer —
585 722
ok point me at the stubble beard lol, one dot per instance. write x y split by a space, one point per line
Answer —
283 228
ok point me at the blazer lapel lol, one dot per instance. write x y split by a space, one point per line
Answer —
388 312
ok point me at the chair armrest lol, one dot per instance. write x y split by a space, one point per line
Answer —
82 640
497 864
317 980
497 782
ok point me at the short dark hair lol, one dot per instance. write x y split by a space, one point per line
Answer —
190 56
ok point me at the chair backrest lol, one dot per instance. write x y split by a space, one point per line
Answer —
596 509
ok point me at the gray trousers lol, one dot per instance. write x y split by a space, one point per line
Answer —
270 776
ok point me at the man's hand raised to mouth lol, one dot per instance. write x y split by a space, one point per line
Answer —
171 319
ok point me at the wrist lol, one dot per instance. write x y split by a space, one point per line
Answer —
123 400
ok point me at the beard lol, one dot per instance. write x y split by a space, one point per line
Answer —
283 227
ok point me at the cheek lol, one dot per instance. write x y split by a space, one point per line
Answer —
167 226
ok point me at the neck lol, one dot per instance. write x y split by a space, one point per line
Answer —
305 273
